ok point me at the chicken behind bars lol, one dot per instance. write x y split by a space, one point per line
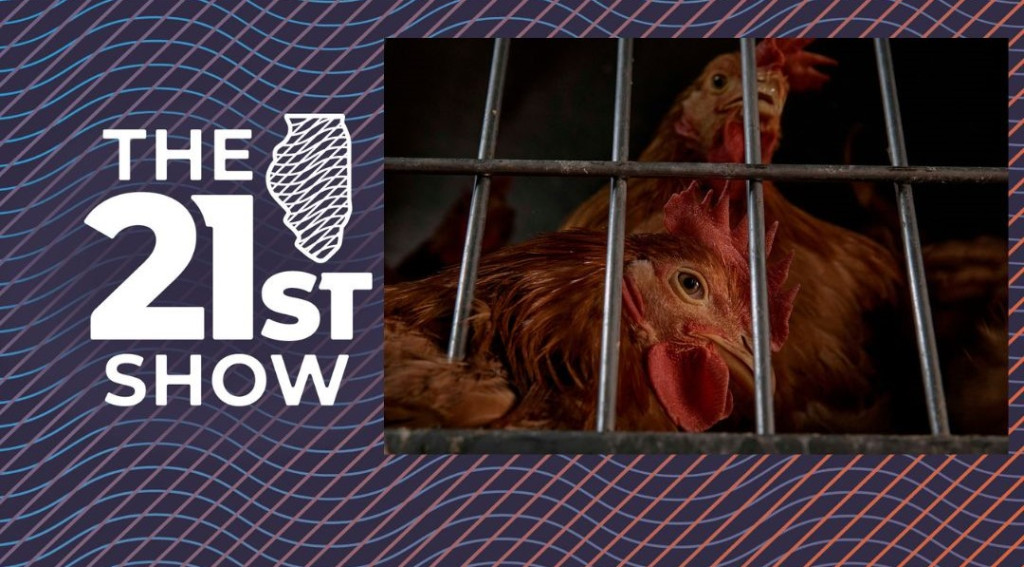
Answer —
846 319
534 338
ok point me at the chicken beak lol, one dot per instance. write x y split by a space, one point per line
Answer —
739 357
770 95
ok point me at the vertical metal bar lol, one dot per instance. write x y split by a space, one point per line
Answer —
758 272
928 352
478 205
611 324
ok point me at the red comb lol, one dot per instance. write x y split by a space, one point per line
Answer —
797 64
769 55
780 301
706 220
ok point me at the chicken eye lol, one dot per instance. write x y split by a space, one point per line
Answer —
691 285
718 81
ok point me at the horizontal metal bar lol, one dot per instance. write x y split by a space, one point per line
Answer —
477 441
775 172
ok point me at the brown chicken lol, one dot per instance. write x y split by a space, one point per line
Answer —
828 377
534 341
968 292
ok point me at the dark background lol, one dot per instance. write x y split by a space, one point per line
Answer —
559 103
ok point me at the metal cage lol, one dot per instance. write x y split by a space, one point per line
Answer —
619 169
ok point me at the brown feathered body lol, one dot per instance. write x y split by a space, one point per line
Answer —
968 293
533 344
828 374
534 338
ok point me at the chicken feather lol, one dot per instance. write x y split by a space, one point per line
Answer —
534 341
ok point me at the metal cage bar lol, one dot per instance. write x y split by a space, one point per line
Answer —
520 441
764 406
924 330
638 169
478 204
612 318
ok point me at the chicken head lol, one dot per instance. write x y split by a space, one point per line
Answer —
688 304
708 116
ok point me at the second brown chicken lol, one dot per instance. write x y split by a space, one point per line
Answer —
848 320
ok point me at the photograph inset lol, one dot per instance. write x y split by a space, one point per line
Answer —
526 368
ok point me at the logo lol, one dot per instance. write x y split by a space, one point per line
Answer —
310 178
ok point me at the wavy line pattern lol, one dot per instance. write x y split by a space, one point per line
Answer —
88 483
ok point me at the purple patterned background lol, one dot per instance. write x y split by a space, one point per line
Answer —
83 482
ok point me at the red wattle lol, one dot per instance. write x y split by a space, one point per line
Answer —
692 384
